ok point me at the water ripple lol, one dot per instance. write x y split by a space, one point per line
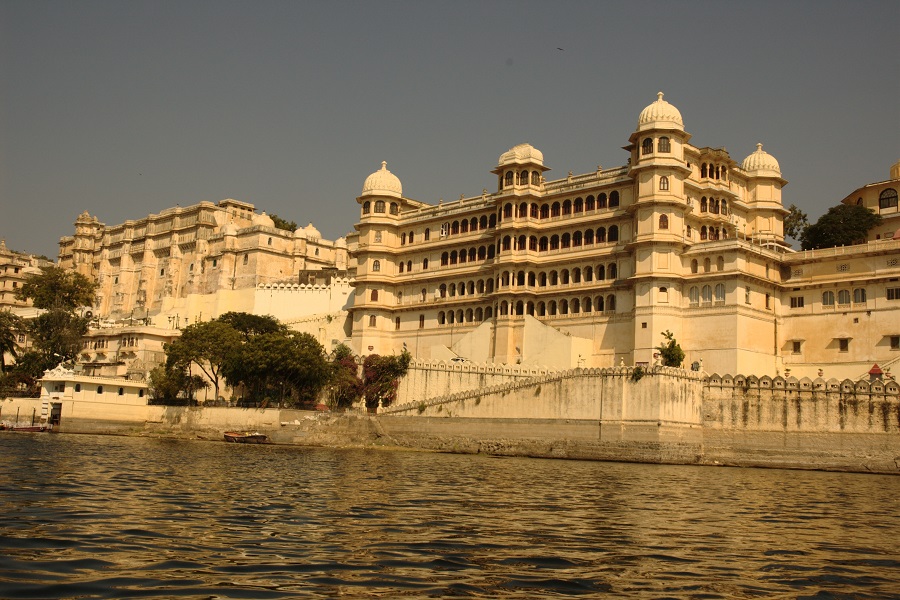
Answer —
111 517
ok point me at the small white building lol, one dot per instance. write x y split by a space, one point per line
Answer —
65 393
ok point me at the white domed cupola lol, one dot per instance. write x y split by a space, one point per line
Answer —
660 115
382 183
521 154
761 163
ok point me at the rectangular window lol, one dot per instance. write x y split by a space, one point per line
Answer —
795 347
844 344
397 323
747 296
895 342
893 293
796 301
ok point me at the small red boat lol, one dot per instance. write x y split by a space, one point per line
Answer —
246 437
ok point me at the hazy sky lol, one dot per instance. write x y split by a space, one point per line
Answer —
128 108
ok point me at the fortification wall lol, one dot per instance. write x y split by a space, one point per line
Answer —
429 379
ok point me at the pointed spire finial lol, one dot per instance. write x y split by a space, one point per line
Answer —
659 96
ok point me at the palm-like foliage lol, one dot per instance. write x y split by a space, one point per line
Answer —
10 326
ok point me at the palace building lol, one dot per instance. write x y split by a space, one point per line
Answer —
590 269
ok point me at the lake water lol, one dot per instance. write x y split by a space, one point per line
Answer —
118 517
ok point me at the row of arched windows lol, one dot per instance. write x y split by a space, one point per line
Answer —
713 171
566 306
704 295
462 256
563 277
379 207
463 288
560 209
467 225
843 297
511 178
470 315
576 239
714 205
662 145
707 265
712 233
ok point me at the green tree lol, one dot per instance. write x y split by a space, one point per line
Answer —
250 325
280 365
57 289
208 345
282 223
346 388
56 335
381 377
795 223
670 351
10 328
174 386
842 225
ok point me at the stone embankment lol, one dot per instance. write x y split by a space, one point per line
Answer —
659 415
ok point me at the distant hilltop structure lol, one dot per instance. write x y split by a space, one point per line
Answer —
15 267
589 269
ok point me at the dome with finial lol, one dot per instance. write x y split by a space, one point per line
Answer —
382 183
264 220
761 163
520 155
660 115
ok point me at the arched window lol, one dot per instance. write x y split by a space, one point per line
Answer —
543 244
578 207
533 243
706 294
507 243
663 294
445 259
464 226
555 209
613 235
601 272
859 296
613 199
483 222
473 224
724 206
492 221
427 233
664 145
99 389
828 298
509 179
647 146
703 170
535 178
395 208
694 266
442 318
534 210
703 233
663 222
887 199
601 235
443 290
523 211
424 294
374 295
587 304
403 239
694 295
566 240
601 201
567 207
611 271
720 292
367 206
454 229
454 257
409 266
402 266
611 303
599 305
523 178
545 211
507 211
421 321
554 242
843 297
379 206
590 204
664 183
376 265
576 239
424 264
703 204
490 252
720 263
588 273
373 321
588 237
543 280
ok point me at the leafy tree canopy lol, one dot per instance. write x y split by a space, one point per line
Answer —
346 388
282 223
56 288
173 386
382 377
842 225
56 335
207 345
249 325
795 222
10 327
670 351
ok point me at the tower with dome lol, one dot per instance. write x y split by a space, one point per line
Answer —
589 269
